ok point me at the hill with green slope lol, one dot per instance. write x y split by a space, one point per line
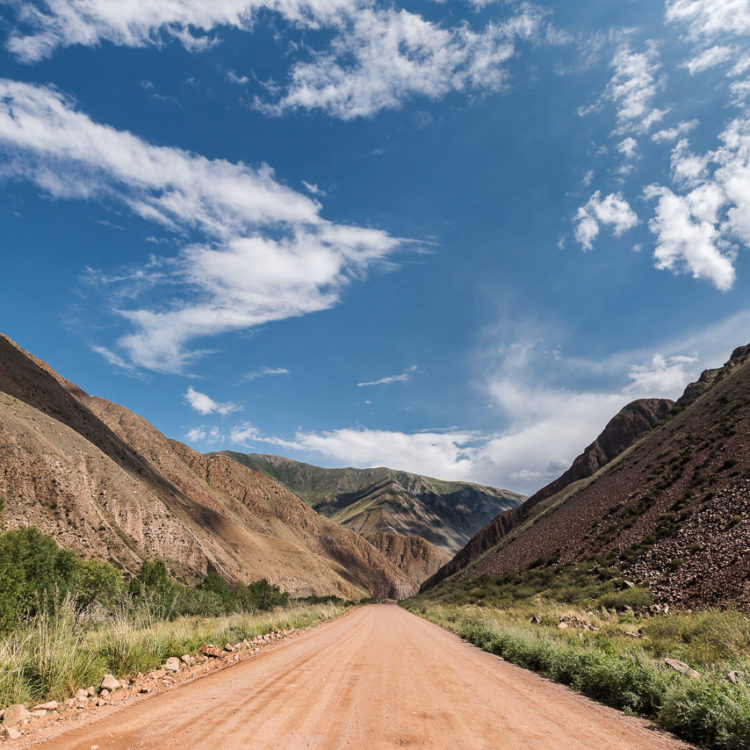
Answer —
382 500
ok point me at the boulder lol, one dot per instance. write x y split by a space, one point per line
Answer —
211 650
10 733
15 714
110 683
682 668
172 664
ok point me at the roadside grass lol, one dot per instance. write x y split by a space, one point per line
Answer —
620 661
56 654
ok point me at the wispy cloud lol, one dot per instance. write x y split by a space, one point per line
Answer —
633 87
204 404
261 251
264 372
382 56
403 377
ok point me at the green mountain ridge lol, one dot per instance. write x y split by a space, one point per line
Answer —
383 500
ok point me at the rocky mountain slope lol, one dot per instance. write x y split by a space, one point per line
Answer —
627 426
415 557
672 510
106 484
382 500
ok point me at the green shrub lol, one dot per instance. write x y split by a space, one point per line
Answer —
635 597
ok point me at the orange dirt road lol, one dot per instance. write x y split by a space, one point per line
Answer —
378 677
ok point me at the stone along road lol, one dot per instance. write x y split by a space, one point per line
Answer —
378 677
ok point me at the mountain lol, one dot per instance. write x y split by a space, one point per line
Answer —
382 500
108 485
672 510
627 426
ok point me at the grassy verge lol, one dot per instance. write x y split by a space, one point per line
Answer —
56 654
608 649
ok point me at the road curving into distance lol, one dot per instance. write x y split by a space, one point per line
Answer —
378 677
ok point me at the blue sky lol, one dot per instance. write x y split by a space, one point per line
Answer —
448 237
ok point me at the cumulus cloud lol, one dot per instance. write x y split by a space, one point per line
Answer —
612 211
261 251
381 56
697 230
203 434
204 404
403 377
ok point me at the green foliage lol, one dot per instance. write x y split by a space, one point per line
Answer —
636 598
616 659
37 576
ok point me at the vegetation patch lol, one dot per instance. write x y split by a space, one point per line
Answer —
585 627
65 622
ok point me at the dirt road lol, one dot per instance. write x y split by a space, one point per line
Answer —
379 677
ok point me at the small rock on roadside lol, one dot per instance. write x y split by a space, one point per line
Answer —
172 664
49 706
15 714
9 733
110 683
211 650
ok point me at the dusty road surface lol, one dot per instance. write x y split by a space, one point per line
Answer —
379 677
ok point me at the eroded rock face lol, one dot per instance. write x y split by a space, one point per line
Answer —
415 557
107 485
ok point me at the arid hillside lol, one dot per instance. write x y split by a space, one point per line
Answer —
672 510
382 500
627 426
108 485
415 557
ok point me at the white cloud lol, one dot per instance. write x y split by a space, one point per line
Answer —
382 56
612 210
403 377
672 134
133 23
628 147
264 372
686 242
374 58
204 404
710 58
264 252
633 87
661 376
203 434
707 19
697 230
